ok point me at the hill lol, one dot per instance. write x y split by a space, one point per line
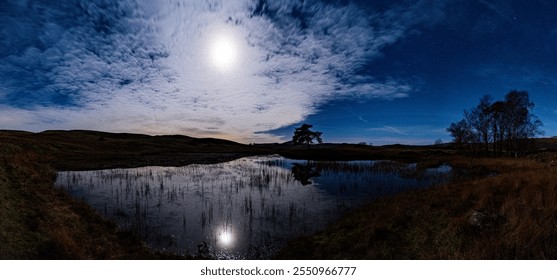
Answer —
82 149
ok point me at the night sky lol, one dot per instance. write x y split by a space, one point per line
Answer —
382 71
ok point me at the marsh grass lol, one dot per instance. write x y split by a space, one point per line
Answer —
434 223
259 197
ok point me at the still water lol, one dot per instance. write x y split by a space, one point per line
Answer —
242 209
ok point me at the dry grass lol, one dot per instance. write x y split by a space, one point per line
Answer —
528 203
42 222
436 223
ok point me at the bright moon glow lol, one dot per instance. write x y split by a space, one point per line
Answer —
225 237
224 53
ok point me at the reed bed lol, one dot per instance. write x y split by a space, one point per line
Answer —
259 200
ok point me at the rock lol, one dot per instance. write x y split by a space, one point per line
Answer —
482 220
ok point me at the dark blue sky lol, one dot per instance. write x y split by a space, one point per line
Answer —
373 71
478 48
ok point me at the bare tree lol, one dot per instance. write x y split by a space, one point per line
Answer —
460 132
480 121
521 124
508 124
498 125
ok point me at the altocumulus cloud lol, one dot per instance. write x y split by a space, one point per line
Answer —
144 66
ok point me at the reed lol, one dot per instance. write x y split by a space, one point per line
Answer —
262 189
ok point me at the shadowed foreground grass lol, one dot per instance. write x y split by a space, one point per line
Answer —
42 222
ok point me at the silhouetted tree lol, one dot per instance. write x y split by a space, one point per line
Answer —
520 124
303 135
508 124
460 132
498 125
480 121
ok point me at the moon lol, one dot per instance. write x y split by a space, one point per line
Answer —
224 52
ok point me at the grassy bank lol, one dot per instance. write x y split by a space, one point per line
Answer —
42 222
512 215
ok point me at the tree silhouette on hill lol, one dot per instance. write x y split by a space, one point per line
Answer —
303 135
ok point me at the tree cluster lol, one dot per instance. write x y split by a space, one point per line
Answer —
500 127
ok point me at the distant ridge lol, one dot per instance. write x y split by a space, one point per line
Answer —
88 149
125 135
